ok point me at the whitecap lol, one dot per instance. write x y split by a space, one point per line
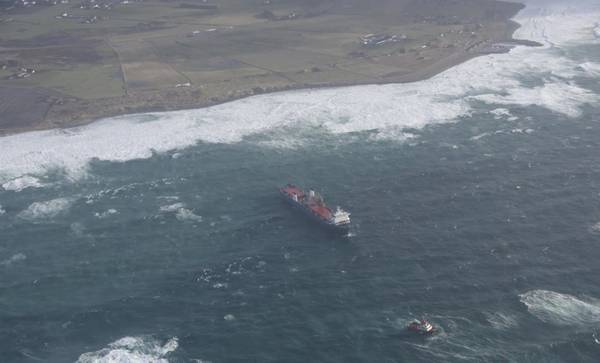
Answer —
132 350
500 112
24 182
14 258
46 210
392 134
106 214
170 198
172 207
2 211
561 309
184 214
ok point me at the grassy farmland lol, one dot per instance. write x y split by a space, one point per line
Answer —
92 59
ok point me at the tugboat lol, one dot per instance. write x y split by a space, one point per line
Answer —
422 327
312 204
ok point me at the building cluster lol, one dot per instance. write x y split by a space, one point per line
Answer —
92 5
20 73
82 19
441 20
84 4
32 3
373 40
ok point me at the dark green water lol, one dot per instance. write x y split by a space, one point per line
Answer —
447 227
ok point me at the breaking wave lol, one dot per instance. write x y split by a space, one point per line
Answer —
181 213
46 210
387 110
132 350
184 214
21 183
561 309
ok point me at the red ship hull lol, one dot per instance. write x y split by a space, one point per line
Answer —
318 212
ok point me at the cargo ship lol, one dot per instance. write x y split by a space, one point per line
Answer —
312 204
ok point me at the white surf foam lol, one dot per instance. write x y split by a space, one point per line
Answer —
132 350
46 210
564 98
106 214
591 68
21 183
2 211
171 207
561 309
181 212
184 214
559 23
500 112
388 110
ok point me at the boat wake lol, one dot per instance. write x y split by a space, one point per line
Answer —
501 321
561 309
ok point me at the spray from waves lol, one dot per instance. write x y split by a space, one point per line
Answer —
561 309
388 110
39 211
132 350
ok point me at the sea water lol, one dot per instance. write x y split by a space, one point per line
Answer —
475 200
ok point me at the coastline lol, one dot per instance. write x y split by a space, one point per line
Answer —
72 112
